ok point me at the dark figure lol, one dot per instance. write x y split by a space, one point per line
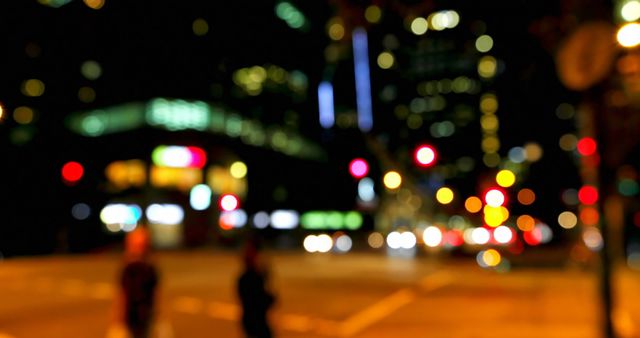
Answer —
254 296
138 286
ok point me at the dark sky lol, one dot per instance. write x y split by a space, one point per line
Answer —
147 49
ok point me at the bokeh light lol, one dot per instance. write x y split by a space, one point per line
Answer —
200 27
444 195
373 14
630 11
432 236
586 146
419 26
589 216
72 172
489 258
375 240
567 219
588 195
238 169
91 69
494 198
23 115
525 223
505 178
484 43
526 196
392 180
33 88
473 204
425 155
81 211
358 168
629 35
503 234
386 60
94 4
480 236
228 202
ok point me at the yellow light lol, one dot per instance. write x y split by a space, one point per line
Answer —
491 160
533 151
491 257
1 112
489 123
238 169
444 195
473 204
200 27
392 180
505 178
567 219
629 35
484 43
525 223
487 67
373 14
568 142
385 60
335 29
419 26
488 103
33 87
23 115
493 216
94 4
631 11
490 144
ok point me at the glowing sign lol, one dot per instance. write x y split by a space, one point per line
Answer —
178 114
331 220
179 157
363 81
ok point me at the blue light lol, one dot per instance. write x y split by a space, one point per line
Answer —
325 104
363 82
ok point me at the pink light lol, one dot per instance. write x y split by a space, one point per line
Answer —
198 157
358 168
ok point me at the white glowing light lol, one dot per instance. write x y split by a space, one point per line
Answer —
480 236
200 197
503 234
284 219
234 218
167 214
325 243
432 236
343 243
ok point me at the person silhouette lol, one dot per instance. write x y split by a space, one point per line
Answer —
255 298
138 285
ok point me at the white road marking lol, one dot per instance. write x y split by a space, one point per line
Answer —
376 312
190 305
226 311
102 291
436 281
73 287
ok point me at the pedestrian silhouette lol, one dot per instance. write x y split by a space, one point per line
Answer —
138 286
255 297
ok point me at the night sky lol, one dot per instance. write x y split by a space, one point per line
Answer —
148 49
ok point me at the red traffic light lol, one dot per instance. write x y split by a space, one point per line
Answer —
425 155
72 172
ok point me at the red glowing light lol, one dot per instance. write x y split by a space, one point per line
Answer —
533 237
587 146
72 172
358 168
198 157
588 195
425 156
228 202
